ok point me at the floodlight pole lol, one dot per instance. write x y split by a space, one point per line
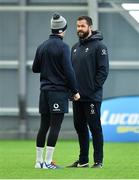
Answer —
93 12
22 73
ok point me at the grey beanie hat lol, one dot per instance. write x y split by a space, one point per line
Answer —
58 24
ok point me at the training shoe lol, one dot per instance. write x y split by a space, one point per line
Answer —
39 165
76 164
97 165
50 166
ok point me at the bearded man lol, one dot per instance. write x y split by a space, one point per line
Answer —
90 63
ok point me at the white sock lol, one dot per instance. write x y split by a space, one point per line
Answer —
39 154
49 154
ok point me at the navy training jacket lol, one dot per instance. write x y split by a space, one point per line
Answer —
90 62
53 62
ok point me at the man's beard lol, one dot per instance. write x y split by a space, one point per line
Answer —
83 35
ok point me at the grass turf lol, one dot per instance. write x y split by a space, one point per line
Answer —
17 160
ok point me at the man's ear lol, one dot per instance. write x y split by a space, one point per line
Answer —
91 28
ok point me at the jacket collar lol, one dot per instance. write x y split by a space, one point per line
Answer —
56 36
96 35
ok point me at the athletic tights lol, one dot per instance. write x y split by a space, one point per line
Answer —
52 123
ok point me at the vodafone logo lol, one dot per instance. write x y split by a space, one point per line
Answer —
56 106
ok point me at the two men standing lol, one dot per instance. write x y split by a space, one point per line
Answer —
90 63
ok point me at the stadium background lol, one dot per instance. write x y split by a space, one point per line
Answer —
26 23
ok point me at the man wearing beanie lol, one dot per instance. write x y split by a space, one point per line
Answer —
57 79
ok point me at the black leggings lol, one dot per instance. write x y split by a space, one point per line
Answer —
52 123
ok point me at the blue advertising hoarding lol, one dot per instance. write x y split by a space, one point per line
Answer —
120 119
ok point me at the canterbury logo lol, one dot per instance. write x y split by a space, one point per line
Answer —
104 52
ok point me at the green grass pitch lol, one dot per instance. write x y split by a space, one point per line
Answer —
17 160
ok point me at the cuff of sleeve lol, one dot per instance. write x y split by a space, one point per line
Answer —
75 91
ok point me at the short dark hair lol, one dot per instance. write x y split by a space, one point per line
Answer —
87 18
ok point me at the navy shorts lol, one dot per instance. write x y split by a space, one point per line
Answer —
53 102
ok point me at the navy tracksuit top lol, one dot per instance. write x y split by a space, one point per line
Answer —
90 62
53 62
